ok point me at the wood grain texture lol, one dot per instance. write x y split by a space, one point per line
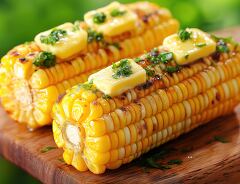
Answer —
212 162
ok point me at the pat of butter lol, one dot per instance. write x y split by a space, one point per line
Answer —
185 52
112 25
70 44
104 81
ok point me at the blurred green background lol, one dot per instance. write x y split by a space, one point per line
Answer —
20 20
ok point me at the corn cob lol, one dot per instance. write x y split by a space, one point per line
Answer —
98 132
28 91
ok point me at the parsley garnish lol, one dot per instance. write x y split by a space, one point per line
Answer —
220 139
115 44
184 35
166 56
172 69
174 161
137 60
155 57
186 56
45 59
121 69
53 37
222 47
87 85
106 97
47 149
117 12
222 43
201 44
61 160
94 36
99 18
226 40
151 162
149 72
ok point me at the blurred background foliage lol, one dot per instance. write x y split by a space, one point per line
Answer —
21 20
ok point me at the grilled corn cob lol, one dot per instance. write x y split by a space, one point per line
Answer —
99 132
33 75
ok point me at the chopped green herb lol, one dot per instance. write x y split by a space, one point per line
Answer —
172 69
152 163
106 97
47 149
226 40
186 56
149 72
121 69
87 85
117 12
174 161
45 59
222 43
115 44
137 60
184 35
222 47
76 26
220 139
99 18
61 160
54 36
166 56
201 44
155 57
94 36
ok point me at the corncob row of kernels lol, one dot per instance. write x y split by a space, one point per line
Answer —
43 85
202 77
134 132
135 150
109 127
146 21
125 154
104 57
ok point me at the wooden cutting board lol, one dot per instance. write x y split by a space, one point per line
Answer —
207 161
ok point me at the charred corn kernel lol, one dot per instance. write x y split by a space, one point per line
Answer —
23 78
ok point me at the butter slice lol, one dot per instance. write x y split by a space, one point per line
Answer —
104 81
113 25
72 43
186 52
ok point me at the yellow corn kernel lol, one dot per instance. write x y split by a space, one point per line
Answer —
68 156
96 157
101 144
